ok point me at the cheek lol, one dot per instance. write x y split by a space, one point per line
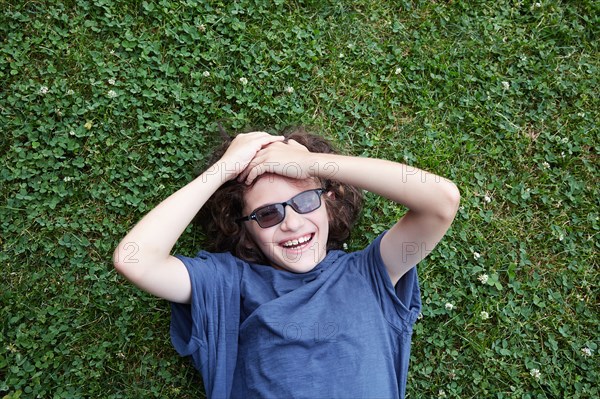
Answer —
252 233
323 218
247 239
329 203
328 211
261 237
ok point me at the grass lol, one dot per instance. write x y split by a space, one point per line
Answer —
107 107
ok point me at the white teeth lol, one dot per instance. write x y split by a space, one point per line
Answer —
301 240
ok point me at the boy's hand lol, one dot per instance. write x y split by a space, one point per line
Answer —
242 150
289 159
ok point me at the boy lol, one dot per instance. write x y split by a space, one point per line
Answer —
276 309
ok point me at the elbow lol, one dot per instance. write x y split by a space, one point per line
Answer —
133 263
451 201
117 262
128 270
124 260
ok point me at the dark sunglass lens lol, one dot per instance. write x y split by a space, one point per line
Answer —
306 202
269 215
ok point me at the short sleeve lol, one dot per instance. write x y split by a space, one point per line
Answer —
400 304
207 329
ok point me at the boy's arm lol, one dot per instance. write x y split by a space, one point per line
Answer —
432 201
144 255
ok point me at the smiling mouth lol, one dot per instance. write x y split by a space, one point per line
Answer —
297 243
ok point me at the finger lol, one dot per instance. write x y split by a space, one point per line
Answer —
273 144
260 138
254 163
250 136
294 143
244 173
253 173
257 143
268 139
255 134
261 132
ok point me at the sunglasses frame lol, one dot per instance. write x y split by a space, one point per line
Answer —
289 202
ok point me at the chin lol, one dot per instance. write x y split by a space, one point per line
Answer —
297 267
298 260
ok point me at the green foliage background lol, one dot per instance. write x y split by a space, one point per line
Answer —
105 109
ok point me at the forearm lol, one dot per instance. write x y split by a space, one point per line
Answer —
153 237
418 190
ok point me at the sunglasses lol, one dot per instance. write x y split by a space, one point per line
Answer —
273 214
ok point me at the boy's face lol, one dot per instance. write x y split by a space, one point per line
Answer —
299 242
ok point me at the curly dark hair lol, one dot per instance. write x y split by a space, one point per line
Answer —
218 216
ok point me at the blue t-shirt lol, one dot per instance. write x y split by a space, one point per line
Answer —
339 331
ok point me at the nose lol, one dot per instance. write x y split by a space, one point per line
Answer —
292 221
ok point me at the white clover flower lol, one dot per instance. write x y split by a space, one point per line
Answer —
476 255
398 71
441 393
72 133
484 315
244 81
483 278
587 352
202 28
289 89
537 5
546 165
67 179
112 52
581 114
121 355
44 89
111 94
112 81
535 373
341 55
487 199
206 74
505 85
449 306
70 92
